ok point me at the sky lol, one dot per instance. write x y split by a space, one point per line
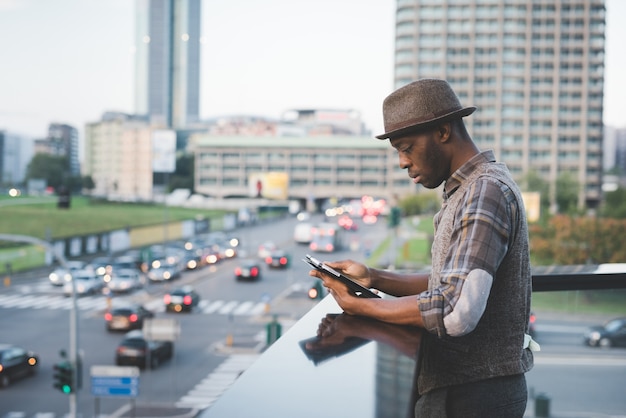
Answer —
69 61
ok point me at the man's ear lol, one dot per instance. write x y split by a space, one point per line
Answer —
445 132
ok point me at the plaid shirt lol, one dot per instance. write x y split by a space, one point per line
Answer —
481 233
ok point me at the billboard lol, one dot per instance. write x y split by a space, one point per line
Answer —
163 151
272 185
532 204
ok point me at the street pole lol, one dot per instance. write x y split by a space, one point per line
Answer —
73 399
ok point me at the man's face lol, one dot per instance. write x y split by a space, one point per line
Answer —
422 155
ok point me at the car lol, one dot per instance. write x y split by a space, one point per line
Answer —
101 265
135 350
124 280
248 270
278 259
611 334
163 271
86 283
183 299
15 363
266 249
126 318
62 275
532 327
347 223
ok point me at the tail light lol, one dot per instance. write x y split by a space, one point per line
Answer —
133 318
187 300
238 271
254 271
283 260
167 299
268 260
108 316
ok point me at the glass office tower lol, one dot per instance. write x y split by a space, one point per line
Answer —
534 69
167 61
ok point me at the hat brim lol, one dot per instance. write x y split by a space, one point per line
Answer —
457 114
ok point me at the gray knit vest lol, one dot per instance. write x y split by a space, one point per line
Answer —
494 347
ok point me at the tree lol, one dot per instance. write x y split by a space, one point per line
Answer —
183 177
420 203
615 204
567 193
533 182
52 168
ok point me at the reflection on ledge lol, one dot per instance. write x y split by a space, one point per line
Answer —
359 367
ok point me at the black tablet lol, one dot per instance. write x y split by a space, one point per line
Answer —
354 287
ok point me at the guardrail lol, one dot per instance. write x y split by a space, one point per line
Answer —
369 372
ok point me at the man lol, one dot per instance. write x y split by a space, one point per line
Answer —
475 303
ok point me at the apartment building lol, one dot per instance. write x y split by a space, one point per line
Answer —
118 157
534 69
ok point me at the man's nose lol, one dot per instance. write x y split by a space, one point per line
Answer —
403 161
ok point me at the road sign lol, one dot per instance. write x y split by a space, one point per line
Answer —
114 381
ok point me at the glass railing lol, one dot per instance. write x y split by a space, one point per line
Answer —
368 368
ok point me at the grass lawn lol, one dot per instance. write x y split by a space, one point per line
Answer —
40 218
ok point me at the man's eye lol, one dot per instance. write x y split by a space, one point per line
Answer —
406 150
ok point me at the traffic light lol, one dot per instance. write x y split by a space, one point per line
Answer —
64 377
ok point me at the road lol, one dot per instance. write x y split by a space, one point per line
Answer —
229 325
224 335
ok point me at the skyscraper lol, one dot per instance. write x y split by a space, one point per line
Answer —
167 61
534 69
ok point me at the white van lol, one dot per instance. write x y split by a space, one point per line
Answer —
302 233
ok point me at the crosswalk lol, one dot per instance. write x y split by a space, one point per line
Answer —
100 303
208 390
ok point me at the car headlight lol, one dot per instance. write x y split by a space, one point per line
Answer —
595 336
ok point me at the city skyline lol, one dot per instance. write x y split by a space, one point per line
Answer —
70 61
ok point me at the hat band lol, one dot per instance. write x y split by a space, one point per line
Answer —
416 121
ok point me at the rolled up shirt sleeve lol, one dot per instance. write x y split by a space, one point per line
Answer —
480 238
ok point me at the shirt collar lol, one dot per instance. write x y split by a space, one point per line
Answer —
457 178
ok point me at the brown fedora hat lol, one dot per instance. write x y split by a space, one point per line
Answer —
421 104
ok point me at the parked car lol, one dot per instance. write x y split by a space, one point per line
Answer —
135 350
86 282
125 318
62 275
278 259
182 299
611 334
124 280
248 270
15 363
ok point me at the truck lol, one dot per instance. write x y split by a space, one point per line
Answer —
326 237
